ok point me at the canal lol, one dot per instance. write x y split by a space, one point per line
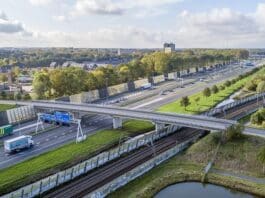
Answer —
199 190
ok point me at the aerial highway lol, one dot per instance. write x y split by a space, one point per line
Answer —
147 100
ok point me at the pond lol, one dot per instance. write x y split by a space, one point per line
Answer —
199 190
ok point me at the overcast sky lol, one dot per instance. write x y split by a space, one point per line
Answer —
132 23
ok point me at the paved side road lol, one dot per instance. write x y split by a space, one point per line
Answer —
254 132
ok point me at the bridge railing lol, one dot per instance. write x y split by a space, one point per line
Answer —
231 105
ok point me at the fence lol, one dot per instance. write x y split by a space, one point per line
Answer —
140 170
233 104
54 180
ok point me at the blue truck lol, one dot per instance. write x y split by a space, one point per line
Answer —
18 143
57 117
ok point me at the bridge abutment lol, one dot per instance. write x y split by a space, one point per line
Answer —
117 122
159 126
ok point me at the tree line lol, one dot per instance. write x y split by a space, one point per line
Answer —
68 81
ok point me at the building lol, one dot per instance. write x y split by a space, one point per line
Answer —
169 47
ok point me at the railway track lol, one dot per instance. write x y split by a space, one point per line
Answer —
97 178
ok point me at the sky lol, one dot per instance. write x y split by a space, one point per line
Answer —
132 23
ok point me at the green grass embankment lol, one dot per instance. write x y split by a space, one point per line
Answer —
4 107
206 103
238 157
53 161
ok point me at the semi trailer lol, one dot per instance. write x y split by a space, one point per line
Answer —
6 130
18 143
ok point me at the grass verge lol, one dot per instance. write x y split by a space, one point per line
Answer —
4 107
206 103
238 157
53 161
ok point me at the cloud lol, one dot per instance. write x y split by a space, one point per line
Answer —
40 2
115 7
60 18
9 26
222 27
100 7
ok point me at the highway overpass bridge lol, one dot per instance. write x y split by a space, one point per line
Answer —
118 113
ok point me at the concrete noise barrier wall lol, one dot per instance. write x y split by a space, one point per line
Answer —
158 79
20 114
85 97
118 89
172 76
193 70
139 83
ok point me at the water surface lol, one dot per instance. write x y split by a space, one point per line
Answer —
199 190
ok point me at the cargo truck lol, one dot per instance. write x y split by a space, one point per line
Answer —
57 117
6 130
18 143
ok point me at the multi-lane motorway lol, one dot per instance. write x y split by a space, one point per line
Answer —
146 100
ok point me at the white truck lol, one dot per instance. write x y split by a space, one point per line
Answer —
18 143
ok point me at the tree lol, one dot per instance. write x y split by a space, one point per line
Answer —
206 92
261 87
3 78
3 95
222 87
42 85
214 89
261 157
197 99
234 132
26 96
185 101
227 83
162 62
18 96
258 117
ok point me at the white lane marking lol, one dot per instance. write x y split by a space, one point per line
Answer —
25 127
147 103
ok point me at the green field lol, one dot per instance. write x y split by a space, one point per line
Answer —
66 156
4 107
238 157
206 103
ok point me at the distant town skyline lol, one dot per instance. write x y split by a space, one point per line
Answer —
132 23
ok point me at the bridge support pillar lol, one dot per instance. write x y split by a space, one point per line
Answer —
159 127
117 122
